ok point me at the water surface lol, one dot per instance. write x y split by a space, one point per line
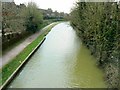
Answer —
61 62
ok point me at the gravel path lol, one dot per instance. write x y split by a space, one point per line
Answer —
17 49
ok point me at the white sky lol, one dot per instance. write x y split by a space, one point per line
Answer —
59 5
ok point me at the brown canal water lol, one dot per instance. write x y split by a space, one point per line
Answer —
61 62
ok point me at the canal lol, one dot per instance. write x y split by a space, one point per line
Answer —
61 62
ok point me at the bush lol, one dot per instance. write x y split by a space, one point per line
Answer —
98 25
33 17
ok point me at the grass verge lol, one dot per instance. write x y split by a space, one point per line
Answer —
8 69
11 46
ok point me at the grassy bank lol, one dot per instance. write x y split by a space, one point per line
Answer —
27 34
8 69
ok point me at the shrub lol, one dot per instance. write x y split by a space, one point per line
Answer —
98 25
33 17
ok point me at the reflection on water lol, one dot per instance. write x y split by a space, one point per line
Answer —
62 61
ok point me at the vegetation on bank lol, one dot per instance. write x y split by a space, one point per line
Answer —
98 25
20 21
32 17
8 69
20 38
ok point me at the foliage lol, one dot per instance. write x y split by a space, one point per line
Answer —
33 17
98 25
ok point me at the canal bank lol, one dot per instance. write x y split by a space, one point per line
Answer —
21 65
61 62
111 68
10 70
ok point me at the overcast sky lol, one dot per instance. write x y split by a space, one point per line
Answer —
59 5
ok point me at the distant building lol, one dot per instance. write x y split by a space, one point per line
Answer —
49 14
